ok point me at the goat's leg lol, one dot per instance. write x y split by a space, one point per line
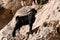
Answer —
18 25
30 30
30 25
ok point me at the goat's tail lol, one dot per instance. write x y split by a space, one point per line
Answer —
17 17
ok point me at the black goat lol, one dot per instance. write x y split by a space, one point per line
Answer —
24 20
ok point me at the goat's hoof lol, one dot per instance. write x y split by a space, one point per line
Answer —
13 34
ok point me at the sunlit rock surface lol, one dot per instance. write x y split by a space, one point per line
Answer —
45 27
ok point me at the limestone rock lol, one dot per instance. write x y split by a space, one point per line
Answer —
45 27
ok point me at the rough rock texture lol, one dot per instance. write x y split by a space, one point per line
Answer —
46 26
11 4
14 5
5 16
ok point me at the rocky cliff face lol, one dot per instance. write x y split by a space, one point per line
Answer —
45 27
5 16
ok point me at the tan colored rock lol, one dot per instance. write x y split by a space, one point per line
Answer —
49 14
14 5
